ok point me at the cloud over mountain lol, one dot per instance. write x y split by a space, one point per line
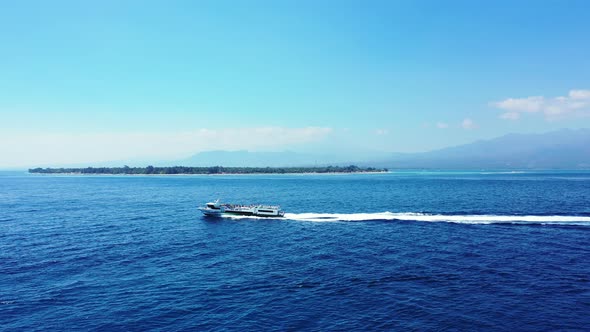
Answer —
576 103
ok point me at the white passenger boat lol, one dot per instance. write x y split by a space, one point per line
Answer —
216 209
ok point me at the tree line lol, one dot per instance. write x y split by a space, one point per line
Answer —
205 170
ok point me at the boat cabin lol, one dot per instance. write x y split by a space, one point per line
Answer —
214 206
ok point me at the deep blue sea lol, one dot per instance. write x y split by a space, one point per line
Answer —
444 251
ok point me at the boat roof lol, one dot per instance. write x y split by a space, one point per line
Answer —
246 205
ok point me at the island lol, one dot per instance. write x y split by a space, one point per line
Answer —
173 170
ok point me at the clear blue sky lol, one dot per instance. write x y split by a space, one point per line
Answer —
109 79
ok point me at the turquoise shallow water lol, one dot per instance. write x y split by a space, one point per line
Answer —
410 250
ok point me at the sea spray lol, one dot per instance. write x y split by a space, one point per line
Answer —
413 216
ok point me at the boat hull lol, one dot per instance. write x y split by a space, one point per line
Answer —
211 212
253 214
217 209
220 213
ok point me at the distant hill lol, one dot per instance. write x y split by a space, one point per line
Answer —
258 159
563 149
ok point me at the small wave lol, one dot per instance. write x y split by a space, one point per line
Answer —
463 219
503 172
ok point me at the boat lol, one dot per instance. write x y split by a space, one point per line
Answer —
217 209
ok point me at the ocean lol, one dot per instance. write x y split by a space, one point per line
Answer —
421 251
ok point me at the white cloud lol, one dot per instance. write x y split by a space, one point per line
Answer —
577 102
381 132
18 150
510 116
468 124
442 125
529 104
579 94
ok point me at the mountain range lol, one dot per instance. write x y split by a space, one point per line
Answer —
562 149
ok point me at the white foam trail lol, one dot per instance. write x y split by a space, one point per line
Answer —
465 219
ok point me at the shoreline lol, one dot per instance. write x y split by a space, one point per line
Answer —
216 174
212 170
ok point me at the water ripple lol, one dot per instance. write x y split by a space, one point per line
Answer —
132 253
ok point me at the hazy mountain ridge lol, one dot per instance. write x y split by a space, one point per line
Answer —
261 159
563 149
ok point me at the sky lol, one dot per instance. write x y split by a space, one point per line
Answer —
84 82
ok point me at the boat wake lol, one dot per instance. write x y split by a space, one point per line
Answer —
463 219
